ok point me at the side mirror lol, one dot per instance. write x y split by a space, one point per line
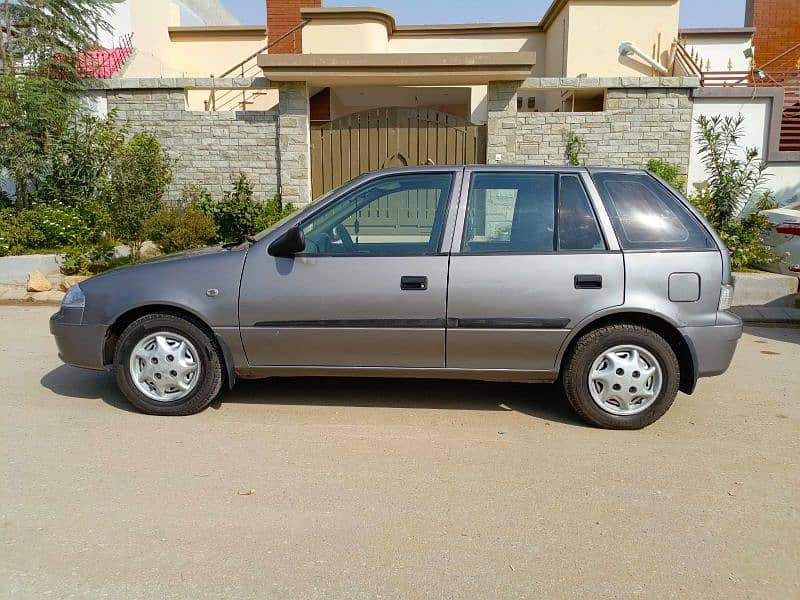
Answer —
290 243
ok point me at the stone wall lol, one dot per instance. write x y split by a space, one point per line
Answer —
638 123
210 148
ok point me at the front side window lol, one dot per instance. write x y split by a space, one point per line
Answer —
646 216
398 215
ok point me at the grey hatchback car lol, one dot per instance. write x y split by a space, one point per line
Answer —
606 280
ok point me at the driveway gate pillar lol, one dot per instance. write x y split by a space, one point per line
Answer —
294 164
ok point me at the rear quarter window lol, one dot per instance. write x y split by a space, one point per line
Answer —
646 216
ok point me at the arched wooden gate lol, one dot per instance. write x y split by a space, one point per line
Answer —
390 137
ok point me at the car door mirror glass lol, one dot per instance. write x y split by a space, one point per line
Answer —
290 243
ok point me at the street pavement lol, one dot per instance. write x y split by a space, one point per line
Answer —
395 489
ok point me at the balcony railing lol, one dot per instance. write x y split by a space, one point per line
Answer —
757 77
104 63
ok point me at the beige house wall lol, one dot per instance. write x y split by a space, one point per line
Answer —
202 56
150 21
514 42
184 51
596 30
345 36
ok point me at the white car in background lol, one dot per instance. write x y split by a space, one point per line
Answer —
785 237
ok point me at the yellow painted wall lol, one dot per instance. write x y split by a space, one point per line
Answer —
345 36
158 55
596 28
150 20
200 57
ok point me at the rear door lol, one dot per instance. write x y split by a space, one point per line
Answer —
529 261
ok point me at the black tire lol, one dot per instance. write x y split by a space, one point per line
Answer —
210 358
577 364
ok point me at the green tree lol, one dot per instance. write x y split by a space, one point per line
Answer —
47 37
41 42
139 176
79 160
33 112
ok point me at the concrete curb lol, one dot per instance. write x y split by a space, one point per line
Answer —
19 296
768 315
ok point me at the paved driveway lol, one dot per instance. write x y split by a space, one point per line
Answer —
395 489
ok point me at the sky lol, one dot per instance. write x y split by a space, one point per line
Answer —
694 13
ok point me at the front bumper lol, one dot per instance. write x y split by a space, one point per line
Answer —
78 345
714 345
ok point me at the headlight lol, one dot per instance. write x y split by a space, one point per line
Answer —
725 297
74 298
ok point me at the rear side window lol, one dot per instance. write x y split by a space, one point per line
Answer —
646 216
527 212
577 224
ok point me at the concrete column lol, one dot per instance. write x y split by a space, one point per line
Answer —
501 101
294 143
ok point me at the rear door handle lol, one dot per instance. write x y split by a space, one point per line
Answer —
588 282
413 282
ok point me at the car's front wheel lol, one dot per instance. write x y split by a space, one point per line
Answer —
168 365
621 376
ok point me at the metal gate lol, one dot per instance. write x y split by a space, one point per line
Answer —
390 137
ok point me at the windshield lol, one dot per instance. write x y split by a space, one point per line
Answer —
261 234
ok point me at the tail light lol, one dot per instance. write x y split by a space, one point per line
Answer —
725 296
788 228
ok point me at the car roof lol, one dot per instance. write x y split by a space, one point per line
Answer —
508 167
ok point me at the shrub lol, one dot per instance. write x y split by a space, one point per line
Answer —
238 215
734 174
14 233
79 161
669 172
89 260
743 237
271 212
175 229
575 146
54 225
76 261
141 172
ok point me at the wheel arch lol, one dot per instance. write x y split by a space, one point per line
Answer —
124 319
684 350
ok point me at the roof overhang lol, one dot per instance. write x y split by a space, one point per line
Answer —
398 69
716 31
226 32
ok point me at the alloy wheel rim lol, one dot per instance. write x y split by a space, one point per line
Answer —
625 380
165 366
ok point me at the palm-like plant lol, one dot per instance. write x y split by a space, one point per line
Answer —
735 174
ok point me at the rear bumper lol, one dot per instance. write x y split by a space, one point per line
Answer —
713 346
78 345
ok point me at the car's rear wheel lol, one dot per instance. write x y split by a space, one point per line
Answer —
168 365
621 376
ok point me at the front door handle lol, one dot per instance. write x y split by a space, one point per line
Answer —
414 282
588 282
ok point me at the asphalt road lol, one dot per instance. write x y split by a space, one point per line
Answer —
395 489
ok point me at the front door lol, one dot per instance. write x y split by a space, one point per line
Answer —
531 262
369 290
